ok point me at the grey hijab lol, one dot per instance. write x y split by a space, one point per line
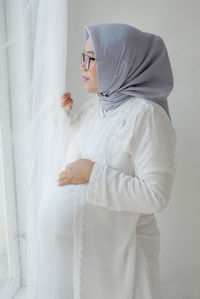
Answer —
129 63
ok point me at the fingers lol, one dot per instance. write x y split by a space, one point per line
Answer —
64 178
66 94
64 182
67 100
65 174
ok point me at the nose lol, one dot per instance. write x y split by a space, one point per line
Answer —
82 67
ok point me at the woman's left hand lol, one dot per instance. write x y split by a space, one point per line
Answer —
77 172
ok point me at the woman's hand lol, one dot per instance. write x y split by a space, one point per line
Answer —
77 172
67 100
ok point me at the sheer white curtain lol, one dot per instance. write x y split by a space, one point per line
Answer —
49 132
40 36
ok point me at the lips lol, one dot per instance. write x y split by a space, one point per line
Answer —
85 78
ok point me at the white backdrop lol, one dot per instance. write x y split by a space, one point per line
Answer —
178 22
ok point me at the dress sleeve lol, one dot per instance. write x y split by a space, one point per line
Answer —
152 149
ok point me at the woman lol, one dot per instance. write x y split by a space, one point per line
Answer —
119 172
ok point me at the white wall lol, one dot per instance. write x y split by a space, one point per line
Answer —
178 22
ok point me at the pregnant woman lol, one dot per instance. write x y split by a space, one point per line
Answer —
98 233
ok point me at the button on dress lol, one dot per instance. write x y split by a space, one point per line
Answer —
102 236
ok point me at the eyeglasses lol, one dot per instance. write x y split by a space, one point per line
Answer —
86 59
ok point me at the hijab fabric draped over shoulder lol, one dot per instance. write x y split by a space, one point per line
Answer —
130 63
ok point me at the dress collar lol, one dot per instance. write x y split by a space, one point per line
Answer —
103 113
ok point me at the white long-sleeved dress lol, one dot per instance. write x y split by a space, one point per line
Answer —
103 235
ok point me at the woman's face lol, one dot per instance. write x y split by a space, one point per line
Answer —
91 73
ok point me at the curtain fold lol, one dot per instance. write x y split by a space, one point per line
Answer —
48 132
41 36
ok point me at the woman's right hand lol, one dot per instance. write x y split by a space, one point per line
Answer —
67 100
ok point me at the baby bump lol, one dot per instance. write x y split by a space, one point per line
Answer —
56 212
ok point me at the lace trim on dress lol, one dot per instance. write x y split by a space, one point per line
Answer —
78 121
84 113
122 129
81 119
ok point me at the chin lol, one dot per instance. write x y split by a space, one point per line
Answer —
90 90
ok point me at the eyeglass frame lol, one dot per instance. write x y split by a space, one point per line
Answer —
83 56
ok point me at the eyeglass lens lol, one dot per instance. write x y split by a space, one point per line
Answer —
85 59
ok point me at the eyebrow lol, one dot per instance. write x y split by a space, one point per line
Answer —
89 52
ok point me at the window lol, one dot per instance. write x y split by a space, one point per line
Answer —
4 270
10 250
12 218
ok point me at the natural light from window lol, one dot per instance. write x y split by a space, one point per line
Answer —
3 239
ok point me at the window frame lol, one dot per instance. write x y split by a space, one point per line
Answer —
13 216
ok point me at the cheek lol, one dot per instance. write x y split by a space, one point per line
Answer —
94 76
93 73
